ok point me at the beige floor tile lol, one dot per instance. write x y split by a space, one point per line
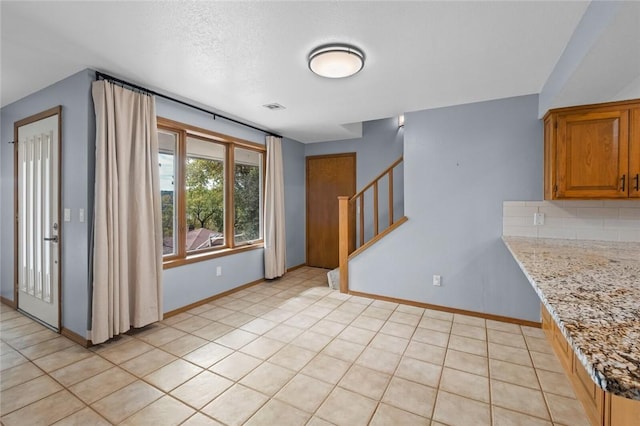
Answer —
259 326
236 339
409 396
163 336
352 307
100 385
311 341
509 354
26 393
469 345
15 322
201 389
365 381
465 384
11 359
467 362
176 318
302 321
216 313
279 315
23 341
125 351
435 324
379 360
419 371
183 345
503 326
173 374
466 330
469 320
213 331
192 324
415 310
235 406
356 335
368 323
549 362
387 415
513 373
387 343
45 411
565 410
376 312
441 315
343 407
532 331
123 403
326 368
86 416
18 374
148 362
276 412
201 309
317 312
284 333
398 329
385 305
268 378
235 366
426 352
424 335
556 383
292 357
263 347
538 344
518 398
304 392
45 348
507 339
81 370
207 355
200 419
405 318
341 316
328 328
344 350
317 421
449 410
63 358
504 417
166 411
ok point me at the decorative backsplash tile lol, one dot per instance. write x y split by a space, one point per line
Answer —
607 220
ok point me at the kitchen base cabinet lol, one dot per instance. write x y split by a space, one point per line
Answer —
602 408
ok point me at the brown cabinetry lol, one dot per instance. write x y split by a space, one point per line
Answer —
602 408
592 152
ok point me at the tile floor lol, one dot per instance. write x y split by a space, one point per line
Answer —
288 352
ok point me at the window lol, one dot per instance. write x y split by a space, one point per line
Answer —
212 189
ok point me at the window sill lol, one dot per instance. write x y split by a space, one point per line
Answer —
168 264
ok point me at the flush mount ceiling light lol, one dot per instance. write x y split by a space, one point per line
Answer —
336 60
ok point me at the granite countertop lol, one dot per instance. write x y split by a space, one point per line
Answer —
592 290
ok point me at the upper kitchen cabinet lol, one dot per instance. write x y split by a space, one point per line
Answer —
592 151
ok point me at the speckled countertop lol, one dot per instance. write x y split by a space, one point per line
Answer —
592 290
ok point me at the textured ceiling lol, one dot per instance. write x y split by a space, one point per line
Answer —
234 57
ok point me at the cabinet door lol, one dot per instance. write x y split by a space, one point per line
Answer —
592 155
634 154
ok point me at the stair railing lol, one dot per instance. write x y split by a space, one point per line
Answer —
352 208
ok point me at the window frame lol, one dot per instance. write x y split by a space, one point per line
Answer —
182 130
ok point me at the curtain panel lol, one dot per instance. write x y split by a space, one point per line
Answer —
127 242
275 241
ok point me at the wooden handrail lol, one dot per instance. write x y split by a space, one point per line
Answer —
347 222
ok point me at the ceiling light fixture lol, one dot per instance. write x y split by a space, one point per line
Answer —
336 60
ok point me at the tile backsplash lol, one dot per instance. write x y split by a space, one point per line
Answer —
606 220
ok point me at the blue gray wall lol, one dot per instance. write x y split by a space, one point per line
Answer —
182 285
78 134
461 163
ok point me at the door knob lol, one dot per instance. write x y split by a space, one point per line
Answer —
54 238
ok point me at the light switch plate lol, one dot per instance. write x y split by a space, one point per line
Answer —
81 215
67 215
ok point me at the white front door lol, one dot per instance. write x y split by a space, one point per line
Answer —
38 221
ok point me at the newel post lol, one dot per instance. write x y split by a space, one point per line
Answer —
343 242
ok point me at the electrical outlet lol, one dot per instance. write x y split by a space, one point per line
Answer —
437 280
538 219
218 271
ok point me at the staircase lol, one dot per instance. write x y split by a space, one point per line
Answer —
365 219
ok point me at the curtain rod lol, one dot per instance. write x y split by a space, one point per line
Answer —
101 75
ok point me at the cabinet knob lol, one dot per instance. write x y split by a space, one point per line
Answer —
622 182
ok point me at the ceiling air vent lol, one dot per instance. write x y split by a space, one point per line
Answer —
273 106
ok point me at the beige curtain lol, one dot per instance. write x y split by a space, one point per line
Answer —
275 241
127 241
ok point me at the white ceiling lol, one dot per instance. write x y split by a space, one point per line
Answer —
235 57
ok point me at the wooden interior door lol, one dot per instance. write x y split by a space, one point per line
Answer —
592 155
328 176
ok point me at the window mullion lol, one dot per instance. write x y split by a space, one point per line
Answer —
182 197
229 213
